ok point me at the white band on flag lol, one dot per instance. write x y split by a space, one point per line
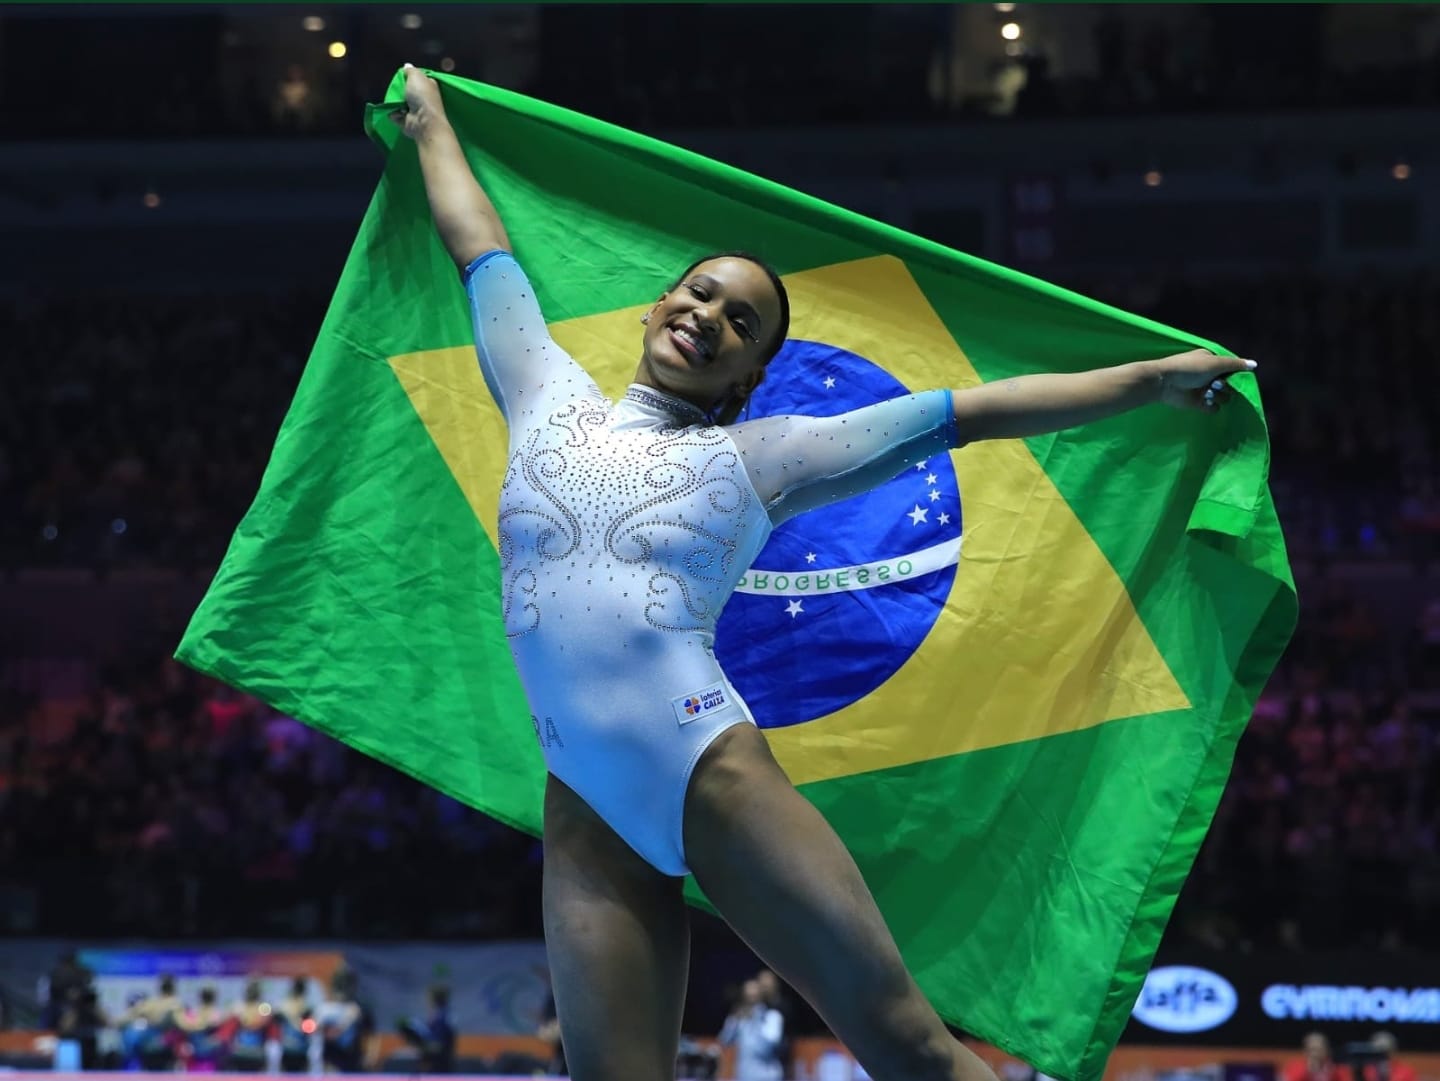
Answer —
882 572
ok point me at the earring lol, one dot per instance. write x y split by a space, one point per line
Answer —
645 318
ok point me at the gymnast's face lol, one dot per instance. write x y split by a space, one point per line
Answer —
711 332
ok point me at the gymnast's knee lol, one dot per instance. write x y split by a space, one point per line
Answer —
911 1043
929 1058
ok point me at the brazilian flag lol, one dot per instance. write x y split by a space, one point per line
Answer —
1012 678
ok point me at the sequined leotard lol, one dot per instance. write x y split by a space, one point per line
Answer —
623 529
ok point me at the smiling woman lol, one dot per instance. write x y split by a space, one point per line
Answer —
623 529
726 317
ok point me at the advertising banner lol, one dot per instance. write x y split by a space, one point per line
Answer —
1274 999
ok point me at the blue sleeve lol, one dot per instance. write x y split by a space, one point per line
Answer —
526 370
800 463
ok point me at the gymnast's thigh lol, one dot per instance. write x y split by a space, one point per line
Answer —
618 938
783 880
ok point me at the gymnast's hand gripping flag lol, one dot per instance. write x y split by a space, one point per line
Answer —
1012 679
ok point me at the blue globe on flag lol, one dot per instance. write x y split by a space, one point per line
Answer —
839 598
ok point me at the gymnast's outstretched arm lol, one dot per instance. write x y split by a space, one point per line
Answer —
464 216
799 463
1036 404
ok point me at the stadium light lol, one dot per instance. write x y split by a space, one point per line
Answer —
411 21
337 50
313 23
1010 31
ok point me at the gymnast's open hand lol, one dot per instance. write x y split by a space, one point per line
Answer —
1196 379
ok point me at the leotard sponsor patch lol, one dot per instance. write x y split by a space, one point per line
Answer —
701 703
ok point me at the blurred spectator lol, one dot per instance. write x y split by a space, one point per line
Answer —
205 1031
346 1026
1315 1062
434 1034
549 1031
68 975
300 1043
1390 1068
775 996
757 1032
295 105
82 1021
253 1044
149 1030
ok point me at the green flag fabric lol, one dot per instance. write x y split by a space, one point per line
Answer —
1012 680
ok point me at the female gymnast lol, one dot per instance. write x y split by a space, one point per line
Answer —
623 529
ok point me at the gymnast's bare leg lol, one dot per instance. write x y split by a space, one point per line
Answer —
618 937
782 879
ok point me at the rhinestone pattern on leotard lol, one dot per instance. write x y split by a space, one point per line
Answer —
630 494
622 531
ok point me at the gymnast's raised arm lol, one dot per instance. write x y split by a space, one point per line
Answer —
528 374
464 216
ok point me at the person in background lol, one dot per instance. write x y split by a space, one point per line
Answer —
757 1031
345 1025
778 999
148 1029
1315 1063
67 973
255 1024
300 1042
205 1032
524 1064
549 1031
433 1037
1391 1069
82 1020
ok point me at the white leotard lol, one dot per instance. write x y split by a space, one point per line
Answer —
623 529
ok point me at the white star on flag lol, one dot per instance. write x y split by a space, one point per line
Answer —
922 465
829 382
794 608
934 495
944 518
930 479
917 515
809 557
